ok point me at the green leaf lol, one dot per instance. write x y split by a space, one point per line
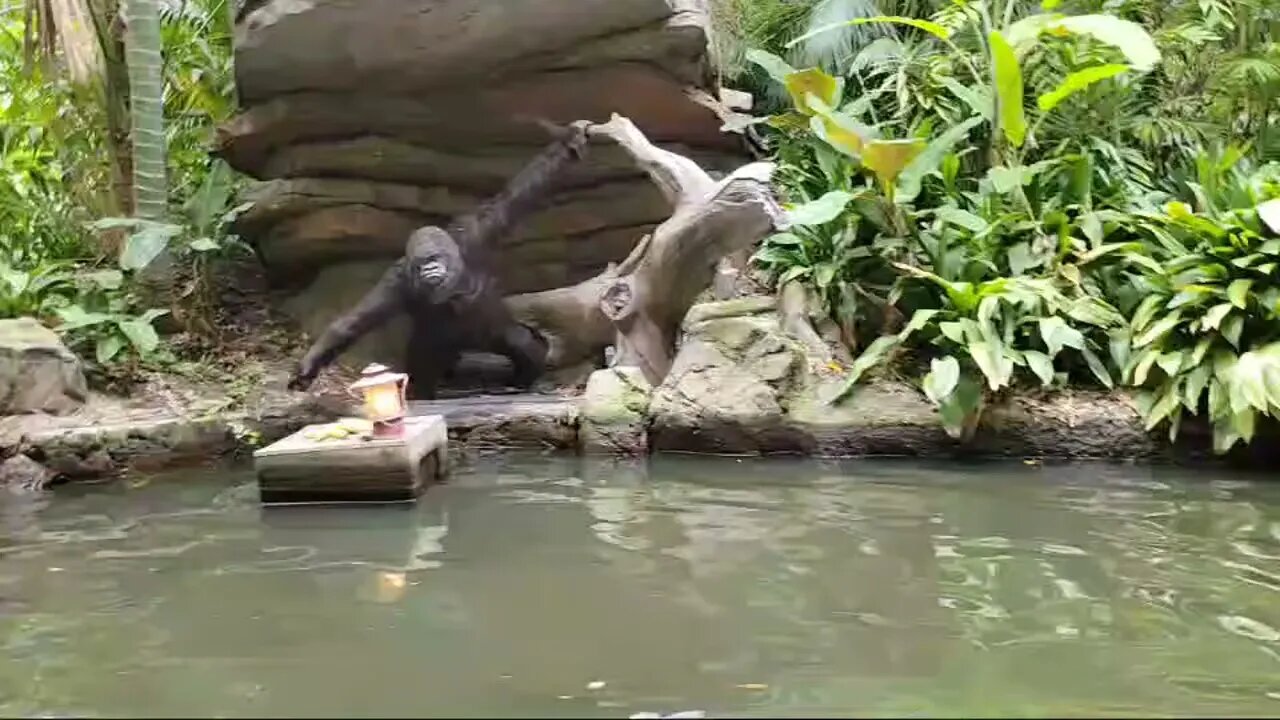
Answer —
1238 293
146 244
992 362
918 320
1097 367
1170 362
1269 213
203 245
1145 313
1163 406
1215 315
1057 334
1159 329
953 331
1020 260
943 375
1143 366
823 274
960 409
74 317
1118 344
978 99
105 279
1196 382
1091 226
108 347
777 68
1005 179
888 158
932 28
962 218
931 158
820 211
875 353
1137 46
141 335
784 239
1077 81
1041 365
1232 328
1008 82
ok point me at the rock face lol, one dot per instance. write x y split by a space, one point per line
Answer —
614 413
365 120
37 372
741 385
21 475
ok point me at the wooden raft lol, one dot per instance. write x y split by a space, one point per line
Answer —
298 469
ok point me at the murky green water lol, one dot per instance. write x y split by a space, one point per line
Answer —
557 587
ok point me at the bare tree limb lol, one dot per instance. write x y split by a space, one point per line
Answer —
640 304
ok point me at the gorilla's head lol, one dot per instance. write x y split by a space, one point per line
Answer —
435 265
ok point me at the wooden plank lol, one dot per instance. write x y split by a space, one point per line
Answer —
300 470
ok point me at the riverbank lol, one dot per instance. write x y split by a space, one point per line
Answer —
740 386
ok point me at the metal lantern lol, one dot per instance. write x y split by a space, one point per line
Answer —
384 399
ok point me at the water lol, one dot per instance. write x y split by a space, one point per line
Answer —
559 587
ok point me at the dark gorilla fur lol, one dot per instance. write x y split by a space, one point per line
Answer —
445 282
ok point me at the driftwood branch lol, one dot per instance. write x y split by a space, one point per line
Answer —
638 305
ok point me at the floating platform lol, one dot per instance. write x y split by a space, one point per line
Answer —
299 469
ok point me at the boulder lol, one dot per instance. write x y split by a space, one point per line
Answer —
365 120
613 413
21 475
37 372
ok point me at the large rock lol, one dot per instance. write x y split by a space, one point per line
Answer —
37 372
367 119
613 416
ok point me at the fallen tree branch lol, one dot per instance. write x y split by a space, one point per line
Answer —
638 305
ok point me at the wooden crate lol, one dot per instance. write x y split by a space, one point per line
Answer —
300 470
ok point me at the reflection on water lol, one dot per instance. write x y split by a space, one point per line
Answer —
590 589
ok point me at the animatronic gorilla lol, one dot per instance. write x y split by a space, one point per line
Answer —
446 283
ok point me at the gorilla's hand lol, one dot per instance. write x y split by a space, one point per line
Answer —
578 137
301 378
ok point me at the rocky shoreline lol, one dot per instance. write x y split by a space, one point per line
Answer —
740 386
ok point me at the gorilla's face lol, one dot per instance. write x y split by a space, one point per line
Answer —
434 263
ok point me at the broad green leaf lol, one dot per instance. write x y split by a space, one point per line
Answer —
1118 345
1231 329
1077 81
1250 379
1041 365
1269 213
823 274
813 81
978 99
141 335
820 211
962 218
1097 367
1215 315
203 245
105 279
875 353
931 158
1243 424
785 239
1104 250
943 375
840 133
960 410
1224 437
1159 329
1197 354
1020 260
1143 367
1196 382
1091 226
1008 82
1238 293
953 331
107 348
932 28
1005 179
1057 334
74 317
992 362
1170 362
888 158
919 319
1166 403
1189 295
777 68
1145 313
1137 46
145 245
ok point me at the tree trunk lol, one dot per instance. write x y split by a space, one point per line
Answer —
639 305
146 105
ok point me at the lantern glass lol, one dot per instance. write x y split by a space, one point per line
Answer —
383 401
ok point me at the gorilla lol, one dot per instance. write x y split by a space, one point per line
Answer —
445 282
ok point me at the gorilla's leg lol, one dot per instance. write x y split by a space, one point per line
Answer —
430 357
526 349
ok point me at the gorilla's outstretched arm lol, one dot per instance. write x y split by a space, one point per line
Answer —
380 304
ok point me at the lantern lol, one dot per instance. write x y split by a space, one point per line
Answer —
384 399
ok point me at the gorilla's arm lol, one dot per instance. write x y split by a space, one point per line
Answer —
380 304
522 194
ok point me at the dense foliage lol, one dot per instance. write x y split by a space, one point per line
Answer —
72 250
1006 192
